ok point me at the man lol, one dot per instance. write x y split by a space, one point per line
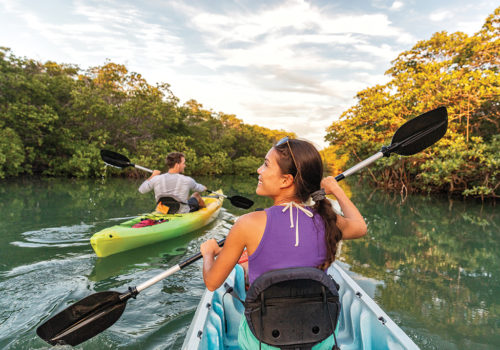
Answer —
172 188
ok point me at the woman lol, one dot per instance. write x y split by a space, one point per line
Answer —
290 233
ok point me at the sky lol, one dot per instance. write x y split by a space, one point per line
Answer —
287 64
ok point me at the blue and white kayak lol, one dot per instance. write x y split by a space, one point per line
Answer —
362 323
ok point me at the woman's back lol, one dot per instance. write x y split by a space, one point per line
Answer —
289 241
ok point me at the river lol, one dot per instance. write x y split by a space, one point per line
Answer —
431 263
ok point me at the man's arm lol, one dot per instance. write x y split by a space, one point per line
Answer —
147 185
196 187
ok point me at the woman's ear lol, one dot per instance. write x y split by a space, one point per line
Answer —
286 181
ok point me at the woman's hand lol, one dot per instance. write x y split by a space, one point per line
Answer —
210 248
352 223
331 185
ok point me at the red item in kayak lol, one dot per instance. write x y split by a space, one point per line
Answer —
147 222
243 257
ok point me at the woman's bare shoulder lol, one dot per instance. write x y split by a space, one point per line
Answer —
249 228
248 224
253 218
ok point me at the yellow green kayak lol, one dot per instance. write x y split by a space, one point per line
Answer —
124 237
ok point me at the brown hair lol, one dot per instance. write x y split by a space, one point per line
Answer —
174 158
308 180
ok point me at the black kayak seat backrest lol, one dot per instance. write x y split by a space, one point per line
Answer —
173 204
293 308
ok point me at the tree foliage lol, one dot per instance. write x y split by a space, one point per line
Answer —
55 118
453 70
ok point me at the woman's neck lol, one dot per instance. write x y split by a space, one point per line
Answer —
284 200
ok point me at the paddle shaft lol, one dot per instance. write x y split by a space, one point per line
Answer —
118 160
151 171
414 135
218 194
143 168
339 177
172 270
360 166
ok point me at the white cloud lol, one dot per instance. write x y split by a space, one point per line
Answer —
468 18
469 27
440 15
9 5
289 19
294 36
384 51
107 30
396 5
291 52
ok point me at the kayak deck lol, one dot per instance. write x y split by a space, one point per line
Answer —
124 237
362 323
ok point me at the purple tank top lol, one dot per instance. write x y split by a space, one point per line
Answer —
277 248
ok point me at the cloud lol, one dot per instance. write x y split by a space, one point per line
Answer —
307 121
384 51
274 34
440 15
468 18
396 5
290 52
121 31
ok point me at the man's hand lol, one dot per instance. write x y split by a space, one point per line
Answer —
155 172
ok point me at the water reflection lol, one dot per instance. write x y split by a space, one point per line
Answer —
439 261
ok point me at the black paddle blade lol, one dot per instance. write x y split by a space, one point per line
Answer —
115 159
240 202
419 133
237 201
84 319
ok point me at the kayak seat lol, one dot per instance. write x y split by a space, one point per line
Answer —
294 308
362 324
171 204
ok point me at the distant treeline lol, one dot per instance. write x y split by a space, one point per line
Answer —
54 119
455 70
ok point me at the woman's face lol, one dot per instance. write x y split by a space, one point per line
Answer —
270 176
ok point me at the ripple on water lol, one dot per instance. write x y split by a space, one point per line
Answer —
32 293
62 236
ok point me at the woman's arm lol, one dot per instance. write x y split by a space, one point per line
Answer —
352 224
215 271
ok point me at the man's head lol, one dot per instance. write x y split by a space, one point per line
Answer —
176 162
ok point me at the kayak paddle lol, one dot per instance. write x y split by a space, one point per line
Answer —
97 312
118 160
412 137
237 201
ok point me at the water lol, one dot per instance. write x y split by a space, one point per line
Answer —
432 264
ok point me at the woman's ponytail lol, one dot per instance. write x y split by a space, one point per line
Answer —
333 235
